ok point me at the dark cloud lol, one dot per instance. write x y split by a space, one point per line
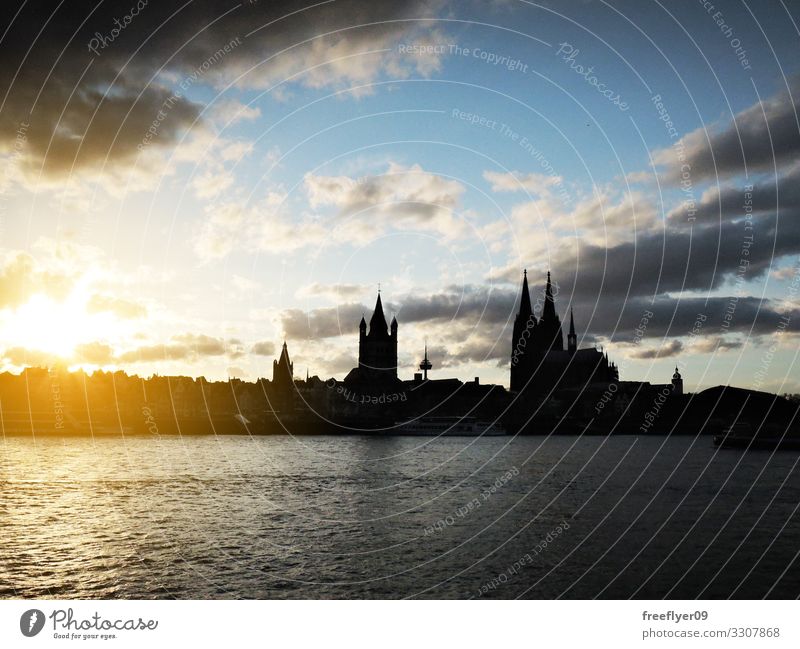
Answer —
699 259
475 322
327 322
674 317
479 347
82 108
667 349
727 203
763 136
469 302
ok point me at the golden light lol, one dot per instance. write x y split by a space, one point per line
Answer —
55 327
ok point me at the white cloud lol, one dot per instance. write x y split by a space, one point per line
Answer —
515 181
231 111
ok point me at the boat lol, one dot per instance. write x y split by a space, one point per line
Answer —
742 435
449 427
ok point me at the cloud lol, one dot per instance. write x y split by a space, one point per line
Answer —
678 317
327 322
235 372
22 276
267 226
118 306
715 344
263 348
785 273
87 110
727 202
22 357
402 197
468 302
606 218
331 291
363 209
184 347
762 136
95 353
516 181
655 263
230 111
668 349
211 182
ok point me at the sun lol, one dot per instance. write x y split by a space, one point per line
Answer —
52 326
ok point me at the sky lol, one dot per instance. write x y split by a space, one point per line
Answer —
185 185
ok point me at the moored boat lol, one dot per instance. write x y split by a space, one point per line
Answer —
449 427
742 435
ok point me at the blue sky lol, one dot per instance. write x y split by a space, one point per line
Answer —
345 146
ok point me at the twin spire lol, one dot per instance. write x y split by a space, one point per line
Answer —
525 308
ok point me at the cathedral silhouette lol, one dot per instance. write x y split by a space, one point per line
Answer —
539 361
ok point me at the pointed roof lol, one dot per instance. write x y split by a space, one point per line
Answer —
378 320
571 323
549 311
284 355
525 308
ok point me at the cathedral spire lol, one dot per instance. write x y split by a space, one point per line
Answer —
549 311
572 339
525 308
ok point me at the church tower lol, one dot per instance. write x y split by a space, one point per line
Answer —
677 382
283 381
283 372
549 335
377 349
572 339
522 347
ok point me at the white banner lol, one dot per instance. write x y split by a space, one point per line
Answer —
401 624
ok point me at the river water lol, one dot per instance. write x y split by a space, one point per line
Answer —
366 517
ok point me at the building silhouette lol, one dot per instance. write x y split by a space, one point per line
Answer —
377 350
283 381
677 382
539 362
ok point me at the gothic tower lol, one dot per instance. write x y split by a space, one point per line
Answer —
572 339
548 331
522 343
283 381
377 349
283 372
